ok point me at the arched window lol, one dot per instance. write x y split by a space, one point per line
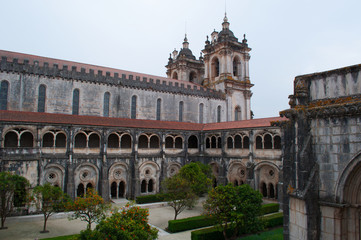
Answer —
277 142
271 191
159 105
48 140
89 186
126 141
180 117
235 67
237 141
168 142
201 113
76 102
26 140
41 98
94 141
215 67
208 143
213 142
154 142
113 141
230 142
133 110
267 141
150 185
259 142
80 190
121 189
113 190
175 75
80 140
237 114
219 114
11 140
106 104
264 189
60 140
245 142
4 89
143 187
192 142
143 141
192 76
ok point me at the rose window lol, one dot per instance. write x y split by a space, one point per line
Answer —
118 174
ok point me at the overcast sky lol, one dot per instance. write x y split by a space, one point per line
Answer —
287 37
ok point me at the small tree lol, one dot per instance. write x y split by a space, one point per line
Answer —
90 208
198 176
237 208
49 199
11 185
129 223
179 194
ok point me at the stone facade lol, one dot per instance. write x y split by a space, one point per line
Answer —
322 162
77 126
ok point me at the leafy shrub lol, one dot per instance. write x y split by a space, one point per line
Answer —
160 197
130 223
270 208
190 223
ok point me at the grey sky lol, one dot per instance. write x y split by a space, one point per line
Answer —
287 37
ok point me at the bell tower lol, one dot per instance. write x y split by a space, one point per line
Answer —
226 69
184 65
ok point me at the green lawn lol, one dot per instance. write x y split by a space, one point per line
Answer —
275 234
68 237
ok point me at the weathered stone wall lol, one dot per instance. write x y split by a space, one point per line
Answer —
335 142
23 96
134 169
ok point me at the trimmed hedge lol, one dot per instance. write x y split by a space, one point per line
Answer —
270 208
214 233
204 221
160 197
190 223
273 220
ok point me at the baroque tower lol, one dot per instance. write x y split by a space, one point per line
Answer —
226 69
184 65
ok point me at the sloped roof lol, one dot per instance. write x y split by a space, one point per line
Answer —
41 60
52 118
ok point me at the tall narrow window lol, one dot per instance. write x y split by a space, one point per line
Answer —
133 111
4 88
106 104
235 67
201 113
180 111
219 114
76 102
41 98
237 113
159 104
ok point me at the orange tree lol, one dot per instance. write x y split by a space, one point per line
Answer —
12 194
236 209
49 199
129 223
90 208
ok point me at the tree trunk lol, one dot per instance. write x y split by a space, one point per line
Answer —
3 223
45 220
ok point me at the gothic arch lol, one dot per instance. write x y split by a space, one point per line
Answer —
215 170
267 177
173 168
54 174
118 180
237 173
149 177
85 175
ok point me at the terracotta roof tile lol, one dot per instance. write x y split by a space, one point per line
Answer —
52 118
